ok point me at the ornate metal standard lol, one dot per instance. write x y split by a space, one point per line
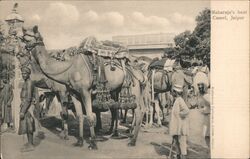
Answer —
15 24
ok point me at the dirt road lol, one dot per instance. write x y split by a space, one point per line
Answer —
152 143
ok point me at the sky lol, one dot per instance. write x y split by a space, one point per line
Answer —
66 23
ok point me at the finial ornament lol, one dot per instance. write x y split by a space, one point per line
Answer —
15 7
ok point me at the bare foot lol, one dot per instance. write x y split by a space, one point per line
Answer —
27 147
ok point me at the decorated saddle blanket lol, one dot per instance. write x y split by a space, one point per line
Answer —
103 48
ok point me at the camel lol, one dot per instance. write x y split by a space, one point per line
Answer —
158 90
76 74
40 80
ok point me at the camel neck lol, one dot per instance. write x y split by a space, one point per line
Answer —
41 55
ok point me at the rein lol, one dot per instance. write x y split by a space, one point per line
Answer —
25 64
31 46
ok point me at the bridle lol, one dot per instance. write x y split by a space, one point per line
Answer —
29 44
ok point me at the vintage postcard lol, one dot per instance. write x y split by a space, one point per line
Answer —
124 79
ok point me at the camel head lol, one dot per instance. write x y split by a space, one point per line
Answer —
28 41
31 37
142 62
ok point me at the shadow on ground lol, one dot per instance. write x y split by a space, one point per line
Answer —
38 138
194 151
54 125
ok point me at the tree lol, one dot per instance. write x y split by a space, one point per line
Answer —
196 43
203 31
170 51
203 27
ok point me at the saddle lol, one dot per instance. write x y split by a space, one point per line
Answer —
103 48
106 50
161 85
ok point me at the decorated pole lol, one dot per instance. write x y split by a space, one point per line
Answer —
15 24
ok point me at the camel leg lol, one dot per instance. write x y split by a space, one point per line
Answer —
162 104
168 100
90 116
131 130
121 114
112 122
79 114
147 104
138 116
146 122
137 119
98 121
151 111
48 102
161 107
133 113
63 99
115 134
125 116
162 110
157 110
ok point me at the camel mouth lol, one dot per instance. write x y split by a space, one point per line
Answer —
28 37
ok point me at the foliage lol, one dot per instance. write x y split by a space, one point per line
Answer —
196 43
7 66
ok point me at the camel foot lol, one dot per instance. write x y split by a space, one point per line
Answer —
101 139
79 143
108 132
159 125
63 135
98 129
127 131
66 137
123 122
115 134
150 125
92 145
147 126
131 143
118 136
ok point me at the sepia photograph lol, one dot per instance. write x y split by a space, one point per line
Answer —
105 79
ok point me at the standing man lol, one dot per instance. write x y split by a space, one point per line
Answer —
6 100
179 123
1 102
204 105
181 79
27 123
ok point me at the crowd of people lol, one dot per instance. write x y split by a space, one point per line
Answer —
190 90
